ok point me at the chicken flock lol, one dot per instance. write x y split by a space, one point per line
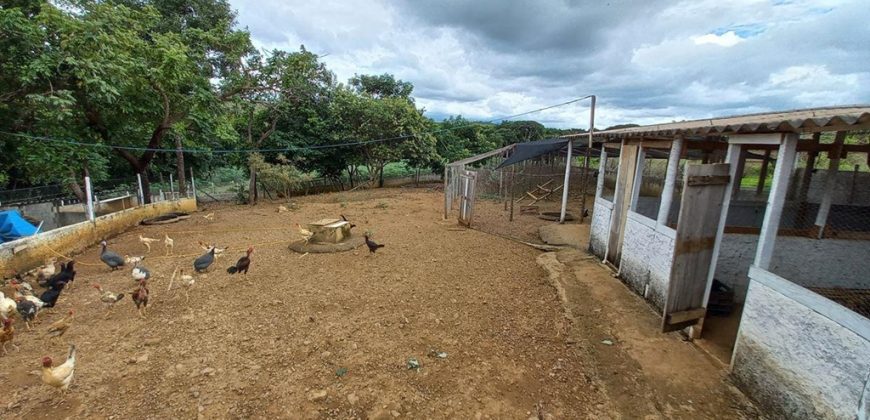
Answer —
55 279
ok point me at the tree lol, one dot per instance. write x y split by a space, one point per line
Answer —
381 86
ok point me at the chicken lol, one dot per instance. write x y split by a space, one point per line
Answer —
140 273
243 264
209 216
373 246
113 260
66 275
345 219
50 296
168 243
217 251
147 242
282 209
8 307
22 287
204 261
187 281
306 234
108 298
59 327
27 310
140 298
7 334
59 377
133 259
46 270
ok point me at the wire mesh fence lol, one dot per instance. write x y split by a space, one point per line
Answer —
516 201
824 233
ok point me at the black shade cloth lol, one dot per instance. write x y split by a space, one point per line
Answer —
533 149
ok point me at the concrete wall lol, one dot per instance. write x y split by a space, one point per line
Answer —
27 253
800 355
849 187
647 255
805 261
600 228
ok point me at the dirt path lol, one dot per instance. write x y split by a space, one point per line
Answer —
330 335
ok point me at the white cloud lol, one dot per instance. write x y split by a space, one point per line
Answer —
728 39
647 61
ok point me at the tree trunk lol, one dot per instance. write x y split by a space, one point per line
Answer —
179 158
381 176
252 187
75 187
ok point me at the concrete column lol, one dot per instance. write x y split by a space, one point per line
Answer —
141 194
566 182
670 180
830 183
89 192
776 200
602 172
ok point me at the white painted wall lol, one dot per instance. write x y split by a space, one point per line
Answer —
795 361
598 231
647 255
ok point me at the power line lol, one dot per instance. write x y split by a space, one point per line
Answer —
283 149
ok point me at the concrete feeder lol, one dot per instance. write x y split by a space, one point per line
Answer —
330 235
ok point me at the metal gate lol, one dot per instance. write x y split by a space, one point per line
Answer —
467 182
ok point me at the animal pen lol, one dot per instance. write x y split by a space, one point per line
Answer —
498 193
755 243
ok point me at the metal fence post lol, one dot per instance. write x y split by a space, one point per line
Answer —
171 187
192 183
90 198
141 194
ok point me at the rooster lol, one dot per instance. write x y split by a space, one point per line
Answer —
7 334
243 264
147 242
113 260
203 262
108 298
373 246
133 259
58 328
140 273
27 310
140 298
306 234
59 377
168 243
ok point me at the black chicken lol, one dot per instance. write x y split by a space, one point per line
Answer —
26 309
242 264
49 297
345 219
373 246
66 275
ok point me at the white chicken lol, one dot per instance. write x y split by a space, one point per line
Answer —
140 273
147 242
187 281
168 243
217 251
306 234
27 296
60 377
135 259
209 216
8 307
108 298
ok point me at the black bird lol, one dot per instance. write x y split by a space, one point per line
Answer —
49 297
66 275
113 260
372 245
345 219
26 309
203 262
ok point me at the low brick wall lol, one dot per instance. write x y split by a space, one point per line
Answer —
27 253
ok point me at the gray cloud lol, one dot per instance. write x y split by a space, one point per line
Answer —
648 61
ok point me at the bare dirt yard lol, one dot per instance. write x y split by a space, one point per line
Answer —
330 335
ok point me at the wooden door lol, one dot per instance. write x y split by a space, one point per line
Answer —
704 188
468 182
621 201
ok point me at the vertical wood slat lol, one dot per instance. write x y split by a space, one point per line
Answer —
621 200
697 226
775 200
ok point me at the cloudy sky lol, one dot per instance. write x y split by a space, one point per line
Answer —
648 61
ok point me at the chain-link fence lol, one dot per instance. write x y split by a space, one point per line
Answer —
823 241
517 200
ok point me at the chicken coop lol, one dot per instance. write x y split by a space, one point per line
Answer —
515 190
753 243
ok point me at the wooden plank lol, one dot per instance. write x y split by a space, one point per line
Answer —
621 200
775 201
771 138
697 227
762 177
707 180
656 144
683 316
830 183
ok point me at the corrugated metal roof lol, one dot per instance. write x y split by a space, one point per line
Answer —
800 121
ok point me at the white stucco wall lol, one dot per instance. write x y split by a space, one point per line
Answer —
797 361
647 254
805 261
598 231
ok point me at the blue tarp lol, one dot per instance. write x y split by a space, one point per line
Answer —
13 226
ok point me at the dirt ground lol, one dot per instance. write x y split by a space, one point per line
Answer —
330 335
